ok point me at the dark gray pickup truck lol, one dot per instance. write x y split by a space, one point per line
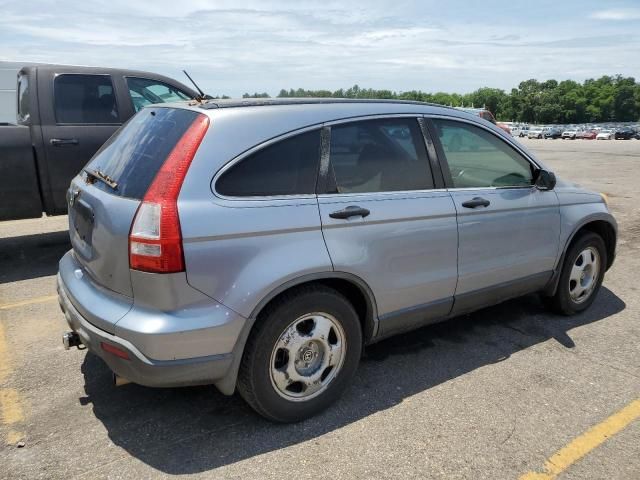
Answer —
64 115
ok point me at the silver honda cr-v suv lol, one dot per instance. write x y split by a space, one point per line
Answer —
259 245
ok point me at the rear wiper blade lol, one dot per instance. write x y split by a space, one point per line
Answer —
103 177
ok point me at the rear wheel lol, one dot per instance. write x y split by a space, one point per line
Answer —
581 276
301 355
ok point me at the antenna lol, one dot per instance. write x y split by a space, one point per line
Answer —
202 94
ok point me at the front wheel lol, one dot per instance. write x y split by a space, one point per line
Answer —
581 276
301 355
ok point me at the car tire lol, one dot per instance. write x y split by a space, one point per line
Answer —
579 274
275 378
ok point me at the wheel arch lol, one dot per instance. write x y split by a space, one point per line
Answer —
354 288
604 226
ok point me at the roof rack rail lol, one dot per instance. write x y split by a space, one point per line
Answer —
261 102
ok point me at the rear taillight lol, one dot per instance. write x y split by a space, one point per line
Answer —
155 240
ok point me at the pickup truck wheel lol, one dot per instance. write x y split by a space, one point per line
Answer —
301 355
581 276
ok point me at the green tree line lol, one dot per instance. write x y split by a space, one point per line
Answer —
607 99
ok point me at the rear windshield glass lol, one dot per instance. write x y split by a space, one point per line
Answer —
135 153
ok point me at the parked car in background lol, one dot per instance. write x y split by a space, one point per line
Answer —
524 131
487 115
354 233
535 132
589 135
605 135
581 133
571 133
624 134
553 133
65 113
480 112
504 127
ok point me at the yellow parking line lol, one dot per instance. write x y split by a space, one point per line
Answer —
14 437
46 298
5 366
10 406
11 411
582 445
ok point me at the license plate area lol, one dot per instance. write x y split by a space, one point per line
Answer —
83 221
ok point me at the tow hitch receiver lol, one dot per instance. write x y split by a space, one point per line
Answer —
71 339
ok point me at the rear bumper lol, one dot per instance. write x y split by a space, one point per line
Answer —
165 349
139 368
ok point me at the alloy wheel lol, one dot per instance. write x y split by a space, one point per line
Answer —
307 356
584 274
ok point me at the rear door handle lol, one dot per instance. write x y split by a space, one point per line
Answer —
350 211
63 142
476 202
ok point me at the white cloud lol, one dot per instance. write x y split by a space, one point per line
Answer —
268 45
617 14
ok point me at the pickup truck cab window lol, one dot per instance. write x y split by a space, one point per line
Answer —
144 91
479 159
85 99
23 99
386 155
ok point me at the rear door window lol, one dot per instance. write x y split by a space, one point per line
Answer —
386 155
144 91
85 99
287 167
135 153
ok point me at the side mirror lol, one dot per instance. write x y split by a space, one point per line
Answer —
545 180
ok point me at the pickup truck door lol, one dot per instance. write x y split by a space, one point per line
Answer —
82 113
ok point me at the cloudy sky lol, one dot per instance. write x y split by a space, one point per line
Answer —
232 47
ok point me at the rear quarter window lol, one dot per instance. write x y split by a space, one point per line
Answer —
135 153
287 167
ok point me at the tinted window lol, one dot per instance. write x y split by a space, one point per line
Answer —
288 167
478 158
23 98
378 156
85 99
135 153
144 91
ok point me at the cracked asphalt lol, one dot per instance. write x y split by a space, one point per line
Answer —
488 395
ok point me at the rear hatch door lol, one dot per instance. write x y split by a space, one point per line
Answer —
104 197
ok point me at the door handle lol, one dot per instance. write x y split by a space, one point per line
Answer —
350 211
62 142
476 202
